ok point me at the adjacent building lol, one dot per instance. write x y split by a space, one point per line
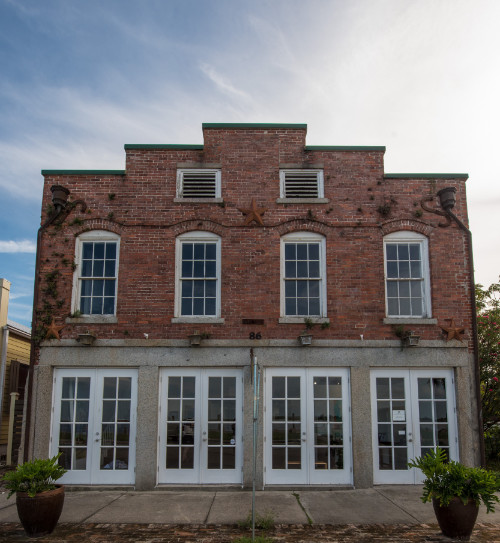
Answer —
15 347
167 288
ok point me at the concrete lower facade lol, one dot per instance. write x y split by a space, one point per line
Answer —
148 414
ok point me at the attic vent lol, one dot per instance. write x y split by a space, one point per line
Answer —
198 184
301 183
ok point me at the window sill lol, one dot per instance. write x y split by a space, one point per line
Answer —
409 320
199 200
197 320
303 200
92 319
300 320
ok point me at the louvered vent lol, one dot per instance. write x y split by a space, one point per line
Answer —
198 184
301 184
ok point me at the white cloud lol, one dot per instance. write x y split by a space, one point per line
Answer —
223 83
23 246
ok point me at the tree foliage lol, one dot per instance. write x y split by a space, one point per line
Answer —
488 327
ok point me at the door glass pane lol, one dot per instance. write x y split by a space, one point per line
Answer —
109 388
68 387
335 387
228 458
124 387
83 387
65 435
174 387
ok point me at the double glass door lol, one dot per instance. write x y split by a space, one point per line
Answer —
200 426
413 411
307 426
94 425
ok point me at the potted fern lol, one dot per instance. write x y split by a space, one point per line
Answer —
39 500
456 491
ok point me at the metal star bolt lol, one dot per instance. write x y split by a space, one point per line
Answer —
253 213
453 332
53 330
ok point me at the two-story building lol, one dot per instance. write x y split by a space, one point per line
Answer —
15 347
164 283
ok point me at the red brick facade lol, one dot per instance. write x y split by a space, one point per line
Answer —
364 205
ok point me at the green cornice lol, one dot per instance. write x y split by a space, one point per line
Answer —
255 125
345 148
194 146
83 172
426 175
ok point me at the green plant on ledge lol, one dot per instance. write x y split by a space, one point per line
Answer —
448 479
34 476
309 324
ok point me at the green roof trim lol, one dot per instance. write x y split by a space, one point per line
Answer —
426 175
195 146
345 148
254 125
83 172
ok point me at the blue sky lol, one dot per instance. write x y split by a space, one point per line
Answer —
80 78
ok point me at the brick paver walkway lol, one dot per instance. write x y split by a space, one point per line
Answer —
159 533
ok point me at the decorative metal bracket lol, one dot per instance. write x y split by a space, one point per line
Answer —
435 210
69 208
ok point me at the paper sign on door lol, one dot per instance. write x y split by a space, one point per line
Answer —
398 415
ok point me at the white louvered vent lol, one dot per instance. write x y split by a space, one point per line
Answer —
301 183
198 183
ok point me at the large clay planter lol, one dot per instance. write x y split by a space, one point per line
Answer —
456 520
39 515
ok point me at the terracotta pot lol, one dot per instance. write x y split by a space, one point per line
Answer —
39 515
456 520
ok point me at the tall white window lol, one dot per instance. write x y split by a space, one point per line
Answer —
303 273
96 274
407 284
198 275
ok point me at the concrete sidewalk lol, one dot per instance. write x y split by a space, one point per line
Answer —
380 505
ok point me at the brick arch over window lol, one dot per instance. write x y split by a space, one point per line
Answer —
303 225
410 225
198 225
97 224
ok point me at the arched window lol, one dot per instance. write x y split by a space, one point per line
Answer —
407 284
96 273
198 263
303 275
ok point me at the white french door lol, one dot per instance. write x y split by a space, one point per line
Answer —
413 411
94 425
200 429
307 426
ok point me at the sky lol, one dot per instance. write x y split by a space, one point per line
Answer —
81 78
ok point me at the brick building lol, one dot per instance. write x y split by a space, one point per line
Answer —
171 278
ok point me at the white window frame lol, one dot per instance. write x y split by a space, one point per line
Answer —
304 237
193 237
93 236
406 236
180 184
319 180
